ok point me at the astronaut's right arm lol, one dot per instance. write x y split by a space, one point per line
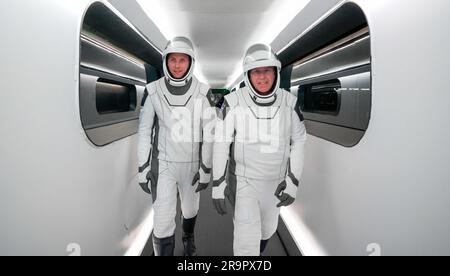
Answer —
287 190
224 136
146 122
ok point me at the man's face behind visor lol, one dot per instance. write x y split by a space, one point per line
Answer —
178 65
263 79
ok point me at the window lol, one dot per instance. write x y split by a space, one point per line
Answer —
114 97
329 68
116 63
323 98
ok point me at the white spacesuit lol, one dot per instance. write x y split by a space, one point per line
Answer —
258 154
176 133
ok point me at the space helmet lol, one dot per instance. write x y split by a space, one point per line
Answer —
261 55
184 46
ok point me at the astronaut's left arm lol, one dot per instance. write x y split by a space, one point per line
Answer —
209 116
287 190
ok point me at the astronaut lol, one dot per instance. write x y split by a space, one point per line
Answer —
176 134
258 152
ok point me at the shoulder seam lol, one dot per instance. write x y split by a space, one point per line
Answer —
232 99
204 89
151 88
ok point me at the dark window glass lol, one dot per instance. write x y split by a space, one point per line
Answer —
321 97
114 97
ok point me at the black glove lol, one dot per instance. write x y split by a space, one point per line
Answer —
220 206
218 195
285 198
144 179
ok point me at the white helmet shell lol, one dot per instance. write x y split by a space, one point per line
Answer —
261 55
180 45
